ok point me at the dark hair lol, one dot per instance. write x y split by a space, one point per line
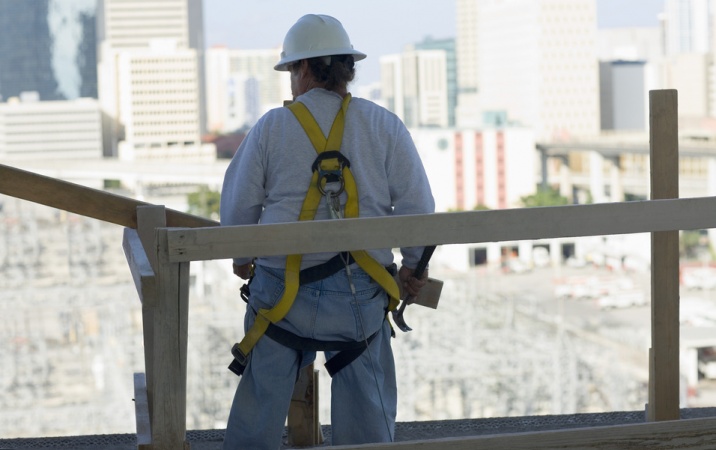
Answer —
337 74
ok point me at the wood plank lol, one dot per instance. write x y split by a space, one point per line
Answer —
83 200
303 427
149 218
694 434
441 228
141 411
169 365
664 379
142 273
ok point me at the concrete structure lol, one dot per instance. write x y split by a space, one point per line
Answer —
242 87
49 47
51 130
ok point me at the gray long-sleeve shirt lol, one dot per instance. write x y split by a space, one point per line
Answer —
267 180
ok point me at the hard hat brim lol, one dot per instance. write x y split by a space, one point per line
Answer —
283 64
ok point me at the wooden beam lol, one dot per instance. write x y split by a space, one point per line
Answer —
141 412
664 355
170 318
441 228
304 429
693 434
141 270
84 201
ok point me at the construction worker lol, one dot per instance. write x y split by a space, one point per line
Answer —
339 298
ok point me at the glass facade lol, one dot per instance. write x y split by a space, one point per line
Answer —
50 47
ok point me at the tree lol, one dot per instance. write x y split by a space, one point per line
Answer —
204 203
545 196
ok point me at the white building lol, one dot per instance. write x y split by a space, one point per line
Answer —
537 65
52 130
689 26
466 44
242 86
470 168
159 94
414 87
151 77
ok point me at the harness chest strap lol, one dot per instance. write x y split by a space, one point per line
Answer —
308 211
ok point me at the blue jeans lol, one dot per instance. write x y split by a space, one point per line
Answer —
363 394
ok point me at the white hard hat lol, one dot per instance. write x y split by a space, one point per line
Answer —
315 35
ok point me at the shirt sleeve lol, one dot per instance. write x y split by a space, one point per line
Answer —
409 187
243 191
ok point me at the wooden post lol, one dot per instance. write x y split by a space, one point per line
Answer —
169 349
149 218
664 352
304 430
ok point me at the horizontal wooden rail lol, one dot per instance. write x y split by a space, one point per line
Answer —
444 228
694 434
83 200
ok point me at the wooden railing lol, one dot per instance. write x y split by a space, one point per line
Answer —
160 246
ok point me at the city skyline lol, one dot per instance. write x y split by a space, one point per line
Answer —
236 25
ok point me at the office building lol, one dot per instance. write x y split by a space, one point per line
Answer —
151 77
448 46
48 47
50 130
414 87
531 62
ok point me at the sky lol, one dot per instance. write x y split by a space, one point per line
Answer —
376 27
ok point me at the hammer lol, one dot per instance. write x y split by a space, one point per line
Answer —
417 273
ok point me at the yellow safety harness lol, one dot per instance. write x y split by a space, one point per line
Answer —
329 166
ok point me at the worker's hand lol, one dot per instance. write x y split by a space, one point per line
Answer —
411 285
243 271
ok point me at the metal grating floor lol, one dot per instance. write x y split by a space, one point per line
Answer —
405 431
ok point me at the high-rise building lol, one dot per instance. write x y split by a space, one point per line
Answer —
32 129
151 76
537 65
448 46
243 86
466 43
689 26
414 86
49 47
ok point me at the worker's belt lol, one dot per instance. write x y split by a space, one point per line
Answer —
325 270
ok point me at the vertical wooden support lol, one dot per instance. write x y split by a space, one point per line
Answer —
664 352
149 218
304 430
166 358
